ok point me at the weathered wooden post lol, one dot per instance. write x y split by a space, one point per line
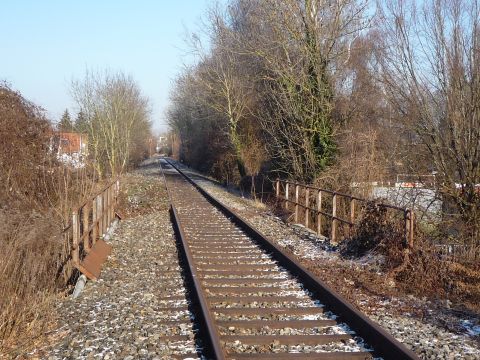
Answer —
94 221
307 205
99 215
85 232
352 214
319 212
104 212
410 225
297 196
334 219
107 210
286 195
75 237
114 203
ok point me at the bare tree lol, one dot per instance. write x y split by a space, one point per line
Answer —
431 70
117 116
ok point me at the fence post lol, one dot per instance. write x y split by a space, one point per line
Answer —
86 232
107 210
114 201
104 219
319 214
307 205
99 215
410 225
352 214
94 221
334 220
286 195
297 196
75 236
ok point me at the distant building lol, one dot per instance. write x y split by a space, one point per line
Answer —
71 143
71 147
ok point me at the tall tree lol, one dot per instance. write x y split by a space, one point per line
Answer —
431 70
118 119
81 122
65 123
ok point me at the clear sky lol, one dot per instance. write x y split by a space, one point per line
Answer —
44 44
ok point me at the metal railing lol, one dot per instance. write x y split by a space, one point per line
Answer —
321 208
90 221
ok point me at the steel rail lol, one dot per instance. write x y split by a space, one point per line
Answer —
205 316
384 344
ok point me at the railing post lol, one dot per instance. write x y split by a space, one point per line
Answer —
334 220
352 214
99 215
75 236
410 225
104 219
297 196
86 232
107 210
112 203
307 205
286 195
319 214
94 221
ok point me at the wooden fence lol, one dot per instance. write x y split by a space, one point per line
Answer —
321 209
90 222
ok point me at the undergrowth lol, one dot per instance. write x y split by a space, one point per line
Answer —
418 269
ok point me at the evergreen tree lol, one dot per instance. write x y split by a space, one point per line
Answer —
81 124
65 123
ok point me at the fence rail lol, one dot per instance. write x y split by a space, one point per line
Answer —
89 222
321 208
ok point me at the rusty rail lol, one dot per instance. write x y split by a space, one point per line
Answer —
89 222
309 203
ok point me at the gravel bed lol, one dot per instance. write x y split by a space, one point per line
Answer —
123 314
276 347
427 334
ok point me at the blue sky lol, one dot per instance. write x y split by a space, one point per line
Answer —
44 44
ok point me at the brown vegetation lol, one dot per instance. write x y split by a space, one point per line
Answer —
36 197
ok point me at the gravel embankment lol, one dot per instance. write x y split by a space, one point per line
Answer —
431 330
135 310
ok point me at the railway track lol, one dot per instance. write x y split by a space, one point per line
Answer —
254 301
